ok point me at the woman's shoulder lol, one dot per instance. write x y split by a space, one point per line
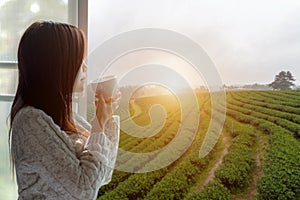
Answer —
40 125
27 113
30 111
33 118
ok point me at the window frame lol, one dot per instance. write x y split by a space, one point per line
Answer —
77 15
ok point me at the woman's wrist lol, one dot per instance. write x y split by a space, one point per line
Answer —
96 126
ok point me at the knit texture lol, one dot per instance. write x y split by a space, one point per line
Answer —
51 164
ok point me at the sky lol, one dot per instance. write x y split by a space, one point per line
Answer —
248 41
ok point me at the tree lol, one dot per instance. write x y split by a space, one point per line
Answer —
283 81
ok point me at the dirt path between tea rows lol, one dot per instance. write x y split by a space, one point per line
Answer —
251 191
211 174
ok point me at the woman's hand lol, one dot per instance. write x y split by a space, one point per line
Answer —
104 111
116 99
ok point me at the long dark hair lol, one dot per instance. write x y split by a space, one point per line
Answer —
49 57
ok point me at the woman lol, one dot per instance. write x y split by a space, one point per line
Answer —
52 156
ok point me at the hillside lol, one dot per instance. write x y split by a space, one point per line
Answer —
256 157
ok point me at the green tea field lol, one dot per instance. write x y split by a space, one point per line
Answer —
257 155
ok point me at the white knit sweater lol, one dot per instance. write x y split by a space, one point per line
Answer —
53 165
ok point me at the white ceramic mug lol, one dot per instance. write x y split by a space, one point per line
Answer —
106 85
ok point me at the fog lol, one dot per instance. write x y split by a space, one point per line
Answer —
248 41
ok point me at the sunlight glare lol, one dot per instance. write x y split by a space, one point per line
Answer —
35 8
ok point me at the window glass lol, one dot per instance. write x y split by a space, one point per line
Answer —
16 16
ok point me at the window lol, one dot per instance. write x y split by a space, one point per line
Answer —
16 16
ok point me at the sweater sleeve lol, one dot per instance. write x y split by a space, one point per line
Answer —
111 139
39 143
